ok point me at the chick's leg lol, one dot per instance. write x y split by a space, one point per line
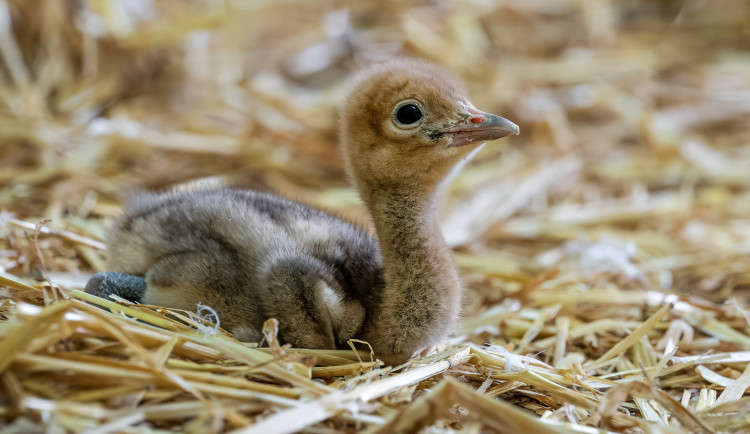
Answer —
123 285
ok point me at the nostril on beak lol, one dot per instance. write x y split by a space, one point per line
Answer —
477 120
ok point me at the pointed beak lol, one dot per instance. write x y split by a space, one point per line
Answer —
482 127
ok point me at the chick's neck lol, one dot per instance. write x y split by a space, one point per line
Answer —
422 294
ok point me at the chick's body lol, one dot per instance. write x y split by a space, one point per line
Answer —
251 256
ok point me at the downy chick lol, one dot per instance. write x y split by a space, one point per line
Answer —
406 127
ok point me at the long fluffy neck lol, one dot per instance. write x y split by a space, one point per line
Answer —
422 296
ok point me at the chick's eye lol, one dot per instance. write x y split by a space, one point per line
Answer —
408 114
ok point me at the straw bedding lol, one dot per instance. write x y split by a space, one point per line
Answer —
606 250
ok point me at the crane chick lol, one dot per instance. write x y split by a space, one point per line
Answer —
406 126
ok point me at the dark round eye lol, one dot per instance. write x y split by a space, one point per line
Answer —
408 114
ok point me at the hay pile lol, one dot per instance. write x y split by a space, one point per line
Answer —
607 248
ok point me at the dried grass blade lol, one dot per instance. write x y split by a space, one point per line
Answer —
735 389
308 414
634 336
13 282
496 414
22 333
66 235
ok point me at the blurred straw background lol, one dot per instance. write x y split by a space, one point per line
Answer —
606 249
